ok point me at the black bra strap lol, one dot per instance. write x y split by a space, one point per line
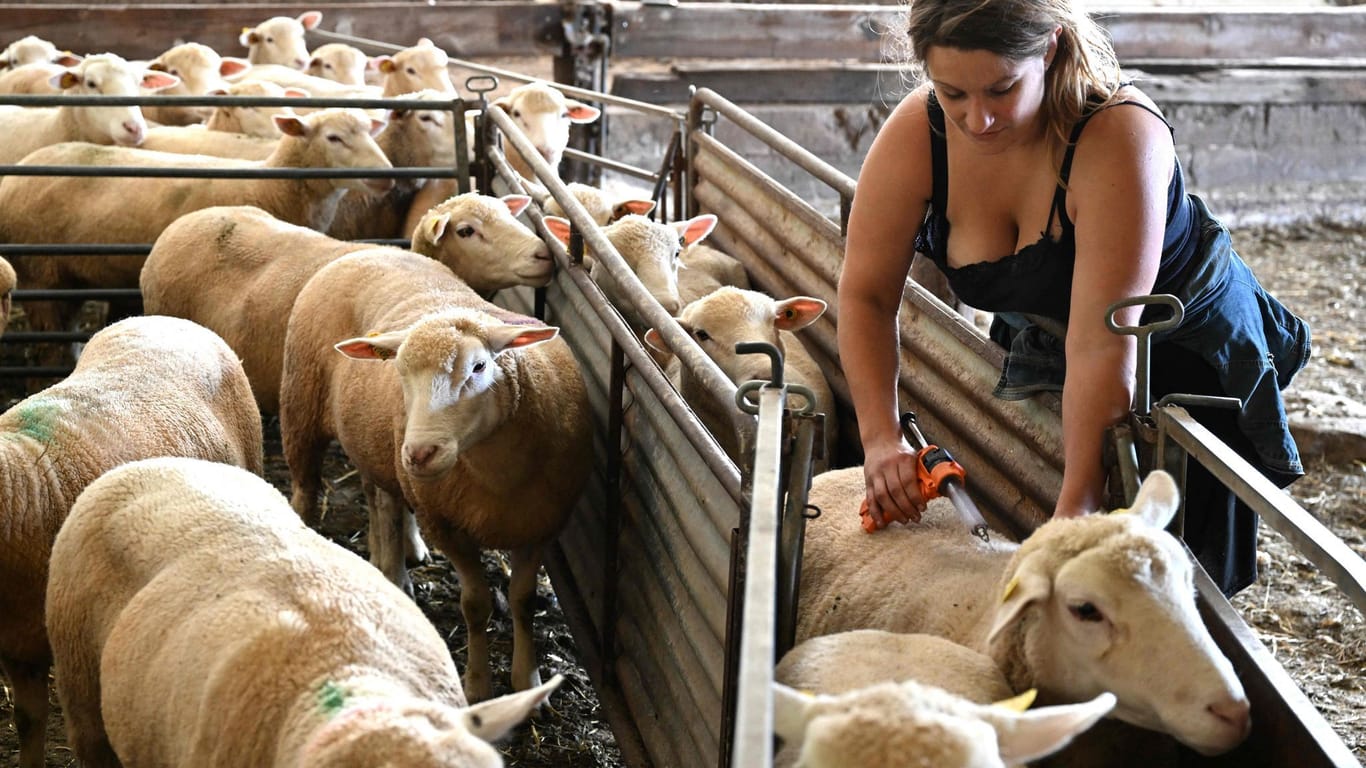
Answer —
939 155
1065 172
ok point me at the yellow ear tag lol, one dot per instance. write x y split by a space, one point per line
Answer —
1121 511
1010 588
246 30
1019 703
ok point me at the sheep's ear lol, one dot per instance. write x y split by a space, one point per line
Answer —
218 92
1158 499
797 312
505 337
433 228
231 67
379 346
311 19
427 41
249 37
503 102
655 341
517 203
67 59
291 125
297 93
377 127
491 719
694 229
628 207
385 64
791 712
372 62
1028 584
157 66
157 81
558 228
1025 736
581 113
63 80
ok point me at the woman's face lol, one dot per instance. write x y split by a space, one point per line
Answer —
994 101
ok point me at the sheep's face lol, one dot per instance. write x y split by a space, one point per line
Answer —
729 316
339 63
338 138
481 240
1114 610
253 121
280 40
650 250
423 66
109 75
201 71
544 115
423 137
27 50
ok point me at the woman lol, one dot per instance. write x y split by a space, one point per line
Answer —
1041 184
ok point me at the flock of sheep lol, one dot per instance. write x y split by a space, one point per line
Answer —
192 616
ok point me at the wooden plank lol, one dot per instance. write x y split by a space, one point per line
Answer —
691 30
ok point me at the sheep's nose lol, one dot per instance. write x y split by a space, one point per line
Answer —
1233 712
136 131
670 305
300 64
419 455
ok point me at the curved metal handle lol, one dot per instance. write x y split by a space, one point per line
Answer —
1158 299
481 84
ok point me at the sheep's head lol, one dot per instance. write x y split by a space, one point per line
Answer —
1107 603
109 75
544 115
340 63
253 121
423 66
451 365
421 137
481 240
201 71
909 724
280 40
32 49
335 138
420 734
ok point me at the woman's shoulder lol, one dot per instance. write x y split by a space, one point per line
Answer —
1129 107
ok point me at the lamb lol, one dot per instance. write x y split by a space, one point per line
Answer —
196 621
728 316
420 67
594 200
444 429
651 251
146 386
29 128
898 724
238 270
32 49
201 71
412 138
253 121
544 115
339 62
32 207
1104 602
280 40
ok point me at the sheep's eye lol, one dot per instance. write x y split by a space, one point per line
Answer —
270 39
701 335
90 84
427 118
465 231
517 113
1086 612
479 366
175 72
335 139
412 71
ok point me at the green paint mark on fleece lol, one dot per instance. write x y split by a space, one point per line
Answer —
331 698
38 419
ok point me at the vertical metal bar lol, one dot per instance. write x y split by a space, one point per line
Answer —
612 514
792 529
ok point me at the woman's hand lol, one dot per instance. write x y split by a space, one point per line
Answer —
892 487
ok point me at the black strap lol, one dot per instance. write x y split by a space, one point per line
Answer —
1065 172
939 155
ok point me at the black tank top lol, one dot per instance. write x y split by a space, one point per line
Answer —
1038 278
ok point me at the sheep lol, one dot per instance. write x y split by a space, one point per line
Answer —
280 40
728 316
146 386
238 270
412 138
651 251
112 209
196 621
253 121
444 429
1102 602
910 724
199 140
420 67
317 87
594 200
32 49
30 128
8 282
702 269
544 115
201 71
342 63
35 78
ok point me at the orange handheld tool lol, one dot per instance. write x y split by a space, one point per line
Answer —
937 474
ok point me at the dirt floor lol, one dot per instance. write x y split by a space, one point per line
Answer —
1318 637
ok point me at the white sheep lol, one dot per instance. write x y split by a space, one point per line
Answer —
482 425
196 621
318 87
650 249
419 67
544 115
729 316
423 138
253 121
146 386
1104 602
238 270
27 129
280 40
32 49
702 269
600 208
35 78
201 71
199 140
911 724
345 64
136 210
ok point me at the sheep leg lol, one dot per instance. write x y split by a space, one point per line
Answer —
304 456
30 708
476 603
78 688
387 525
414 548
526 566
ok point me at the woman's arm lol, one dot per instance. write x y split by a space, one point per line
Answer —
1117 199
889 205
